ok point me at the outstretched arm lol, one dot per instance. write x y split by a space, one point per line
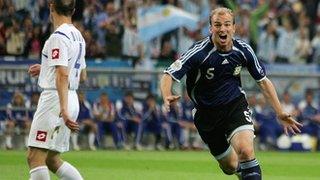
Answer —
285 119
166 87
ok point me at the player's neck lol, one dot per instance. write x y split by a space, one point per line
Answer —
61 20
224 49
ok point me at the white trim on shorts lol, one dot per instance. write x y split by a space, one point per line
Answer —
228 151
240 128
224 154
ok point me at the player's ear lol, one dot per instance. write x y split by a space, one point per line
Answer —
210 30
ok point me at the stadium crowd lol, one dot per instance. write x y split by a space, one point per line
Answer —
286 31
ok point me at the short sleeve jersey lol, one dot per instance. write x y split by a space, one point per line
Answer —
65 47
213 77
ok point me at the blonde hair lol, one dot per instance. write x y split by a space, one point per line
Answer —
221 11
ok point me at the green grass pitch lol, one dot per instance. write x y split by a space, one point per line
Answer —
175 165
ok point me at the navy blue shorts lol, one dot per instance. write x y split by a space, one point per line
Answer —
216 125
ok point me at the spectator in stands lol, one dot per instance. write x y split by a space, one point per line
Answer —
151 121
2 37
130 117
303 48
288 105
33 43
315 43
86 123
99 20
132 46
269 128
32 104
44 11
243 20
15 39
104 113
267 43
93 50
200 8
308 101
113 26
17 117
308 114
167 52
190 134
173 117
286 41
3 118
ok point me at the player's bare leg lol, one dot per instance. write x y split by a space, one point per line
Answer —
229 164
62 169
242 143
9 133
37 164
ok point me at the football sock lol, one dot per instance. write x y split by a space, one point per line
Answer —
250 170
9 141
91 138
26 140
40 173
74 139
68 172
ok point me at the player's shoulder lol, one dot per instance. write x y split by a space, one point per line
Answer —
63 32
200 43
242 46
197 48
239 43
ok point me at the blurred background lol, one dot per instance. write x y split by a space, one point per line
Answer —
129 44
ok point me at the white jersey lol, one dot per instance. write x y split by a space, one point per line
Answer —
65 47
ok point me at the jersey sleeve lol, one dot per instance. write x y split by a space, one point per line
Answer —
182 65
57 51
254 66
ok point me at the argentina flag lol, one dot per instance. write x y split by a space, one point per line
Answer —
157 20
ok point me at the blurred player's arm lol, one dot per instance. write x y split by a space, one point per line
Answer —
62 83
166 91
285 119
34 70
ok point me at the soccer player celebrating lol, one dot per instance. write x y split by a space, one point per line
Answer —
62 67
222 117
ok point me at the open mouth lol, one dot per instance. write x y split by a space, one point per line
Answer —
223 38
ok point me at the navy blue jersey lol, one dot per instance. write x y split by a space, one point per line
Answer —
213 77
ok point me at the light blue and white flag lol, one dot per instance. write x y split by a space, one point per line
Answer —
157 20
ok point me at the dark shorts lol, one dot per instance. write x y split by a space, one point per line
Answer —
218 124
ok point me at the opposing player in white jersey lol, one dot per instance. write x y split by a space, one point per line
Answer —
62 67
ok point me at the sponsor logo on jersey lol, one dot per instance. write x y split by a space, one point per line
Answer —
55 53
41 136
